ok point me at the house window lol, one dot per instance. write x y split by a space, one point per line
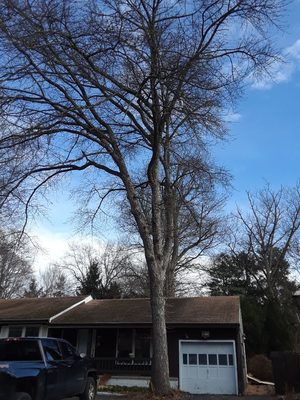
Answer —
55 333
68 334
142 343
105 343
222 359
193 359
212 359
15 331
134 343
202 359
21 331
125 343
32 331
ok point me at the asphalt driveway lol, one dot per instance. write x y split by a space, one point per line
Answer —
192 397
103 397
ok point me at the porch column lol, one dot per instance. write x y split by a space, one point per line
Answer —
83 338
43 331
4 331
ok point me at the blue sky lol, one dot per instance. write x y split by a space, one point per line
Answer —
264 139
263 143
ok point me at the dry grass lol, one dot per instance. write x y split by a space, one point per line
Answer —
259 390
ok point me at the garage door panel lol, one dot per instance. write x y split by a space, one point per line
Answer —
208 367
192 372
202 373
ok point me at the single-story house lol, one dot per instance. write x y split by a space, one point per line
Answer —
205 337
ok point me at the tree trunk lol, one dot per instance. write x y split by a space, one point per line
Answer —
170 284
160 361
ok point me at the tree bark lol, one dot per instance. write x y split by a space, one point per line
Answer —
157 276
160 361
170 281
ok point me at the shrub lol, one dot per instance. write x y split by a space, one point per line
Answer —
260 366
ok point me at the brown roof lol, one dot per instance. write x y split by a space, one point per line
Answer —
35 309
196 310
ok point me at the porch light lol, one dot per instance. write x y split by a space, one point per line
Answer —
205 334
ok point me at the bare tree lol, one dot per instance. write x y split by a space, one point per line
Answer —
195 204
15 265
110 87
135 282
55 282
269 233
50 282
111 264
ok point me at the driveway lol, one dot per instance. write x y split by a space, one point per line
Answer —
192 397
102 397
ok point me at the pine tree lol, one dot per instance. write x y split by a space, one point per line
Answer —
266 301
33 289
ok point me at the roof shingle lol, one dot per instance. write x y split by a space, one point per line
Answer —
196 310
35 309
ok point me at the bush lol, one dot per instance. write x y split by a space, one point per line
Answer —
260 367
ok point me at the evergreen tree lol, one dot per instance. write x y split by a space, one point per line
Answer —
266 304
33 289
92 284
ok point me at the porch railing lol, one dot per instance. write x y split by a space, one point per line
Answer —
123 365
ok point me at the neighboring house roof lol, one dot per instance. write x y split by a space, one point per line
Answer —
197 310
36 309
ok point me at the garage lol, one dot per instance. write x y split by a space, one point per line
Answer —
207 367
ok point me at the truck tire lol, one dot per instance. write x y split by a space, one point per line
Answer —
22 396
90 390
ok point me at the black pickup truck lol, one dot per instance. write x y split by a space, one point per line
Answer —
44 369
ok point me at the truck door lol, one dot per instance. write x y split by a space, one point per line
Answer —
56 371
75 371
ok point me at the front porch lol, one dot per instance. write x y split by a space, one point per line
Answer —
117 351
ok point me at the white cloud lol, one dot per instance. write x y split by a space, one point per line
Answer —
232 117
53 246
294 50
281 72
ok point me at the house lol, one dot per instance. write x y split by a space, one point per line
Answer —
205 337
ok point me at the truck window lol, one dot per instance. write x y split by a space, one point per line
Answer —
68 352
51 349
19 350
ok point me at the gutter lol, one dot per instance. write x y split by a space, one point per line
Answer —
84 301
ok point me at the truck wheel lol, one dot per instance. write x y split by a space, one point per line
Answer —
22 396
90 390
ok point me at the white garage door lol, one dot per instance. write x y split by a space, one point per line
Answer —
208 367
